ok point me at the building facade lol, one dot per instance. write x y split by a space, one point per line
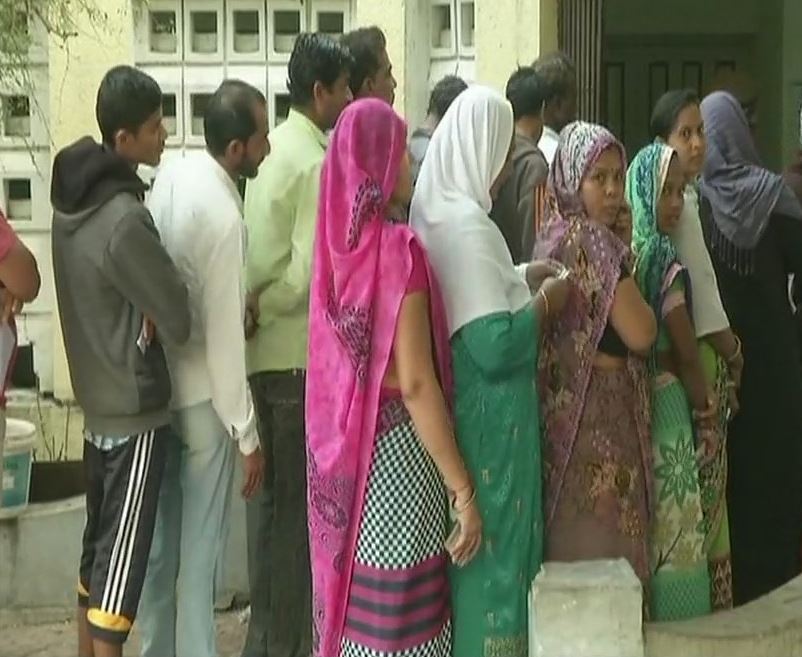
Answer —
628 51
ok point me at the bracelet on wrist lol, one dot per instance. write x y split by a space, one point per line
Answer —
545 301
737 353
462 507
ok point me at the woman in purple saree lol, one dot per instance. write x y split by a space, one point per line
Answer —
593 386
380 440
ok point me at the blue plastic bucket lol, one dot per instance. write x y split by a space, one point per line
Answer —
17 460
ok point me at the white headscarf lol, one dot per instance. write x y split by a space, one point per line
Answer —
451 206
709 315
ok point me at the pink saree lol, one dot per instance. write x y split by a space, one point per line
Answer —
361 267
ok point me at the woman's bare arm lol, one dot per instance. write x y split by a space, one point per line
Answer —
19 273
725 344
424 400
632 318
685 355
421 390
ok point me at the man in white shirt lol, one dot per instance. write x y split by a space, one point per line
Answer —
559 75
197 209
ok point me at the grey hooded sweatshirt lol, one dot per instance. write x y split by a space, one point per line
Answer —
111 271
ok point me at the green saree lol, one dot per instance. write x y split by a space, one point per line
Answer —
497 422
680 585
713 482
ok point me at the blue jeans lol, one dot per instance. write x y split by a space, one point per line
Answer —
176 610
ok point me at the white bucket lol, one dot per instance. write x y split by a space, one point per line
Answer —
17 460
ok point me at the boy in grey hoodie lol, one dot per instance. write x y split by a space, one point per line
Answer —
118 294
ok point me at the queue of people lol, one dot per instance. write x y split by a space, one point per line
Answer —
430 397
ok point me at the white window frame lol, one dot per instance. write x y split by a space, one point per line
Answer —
333 6
462 49
191 89
276 86
142 31
273 55
201 6
438 51
246 5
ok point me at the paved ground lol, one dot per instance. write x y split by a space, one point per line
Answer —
59 639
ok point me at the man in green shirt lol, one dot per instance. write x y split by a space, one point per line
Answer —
280 214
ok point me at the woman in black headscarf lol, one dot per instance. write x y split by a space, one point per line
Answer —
753 225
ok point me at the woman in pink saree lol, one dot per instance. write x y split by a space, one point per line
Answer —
380 441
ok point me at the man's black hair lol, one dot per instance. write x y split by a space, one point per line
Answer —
526 92
126 99
366 46
315 58
558 74
444 93
229 115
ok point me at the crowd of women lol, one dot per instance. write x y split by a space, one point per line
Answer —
633 392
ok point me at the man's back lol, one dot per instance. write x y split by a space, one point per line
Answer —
111 272
198 213
514 209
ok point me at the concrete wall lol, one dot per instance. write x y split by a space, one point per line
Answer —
40 549
511 34
417 61
76 68
593 608
390 16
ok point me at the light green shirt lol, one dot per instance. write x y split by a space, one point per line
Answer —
280 213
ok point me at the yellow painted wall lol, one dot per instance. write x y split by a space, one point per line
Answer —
390 16
512 33
76 68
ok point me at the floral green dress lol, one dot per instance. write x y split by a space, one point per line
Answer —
680 585
497 422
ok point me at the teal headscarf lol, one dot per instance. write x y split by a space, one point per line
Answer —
655 254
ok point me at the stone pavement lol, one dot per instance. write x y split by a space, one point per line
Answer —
59 639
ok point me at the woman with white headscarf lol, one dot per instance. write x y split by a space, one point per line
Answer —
495 325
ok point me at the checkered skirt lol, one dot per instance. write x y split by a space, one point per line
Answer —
398 601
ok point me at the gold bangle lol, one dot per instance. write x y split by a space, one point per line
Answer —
459 490
464 506
545 300
738 351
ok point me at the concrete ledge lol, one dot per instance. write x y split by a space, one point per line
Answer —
40 548
39 551
592 609
768 627
586 609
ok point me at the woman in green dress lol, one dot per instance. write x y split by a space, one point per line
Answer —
494 321
684 431
677 121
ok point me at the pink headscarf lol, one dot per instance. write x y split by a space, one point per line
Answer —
361 268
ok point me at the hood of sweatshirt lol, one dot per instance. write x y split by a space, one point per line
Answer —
85 176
